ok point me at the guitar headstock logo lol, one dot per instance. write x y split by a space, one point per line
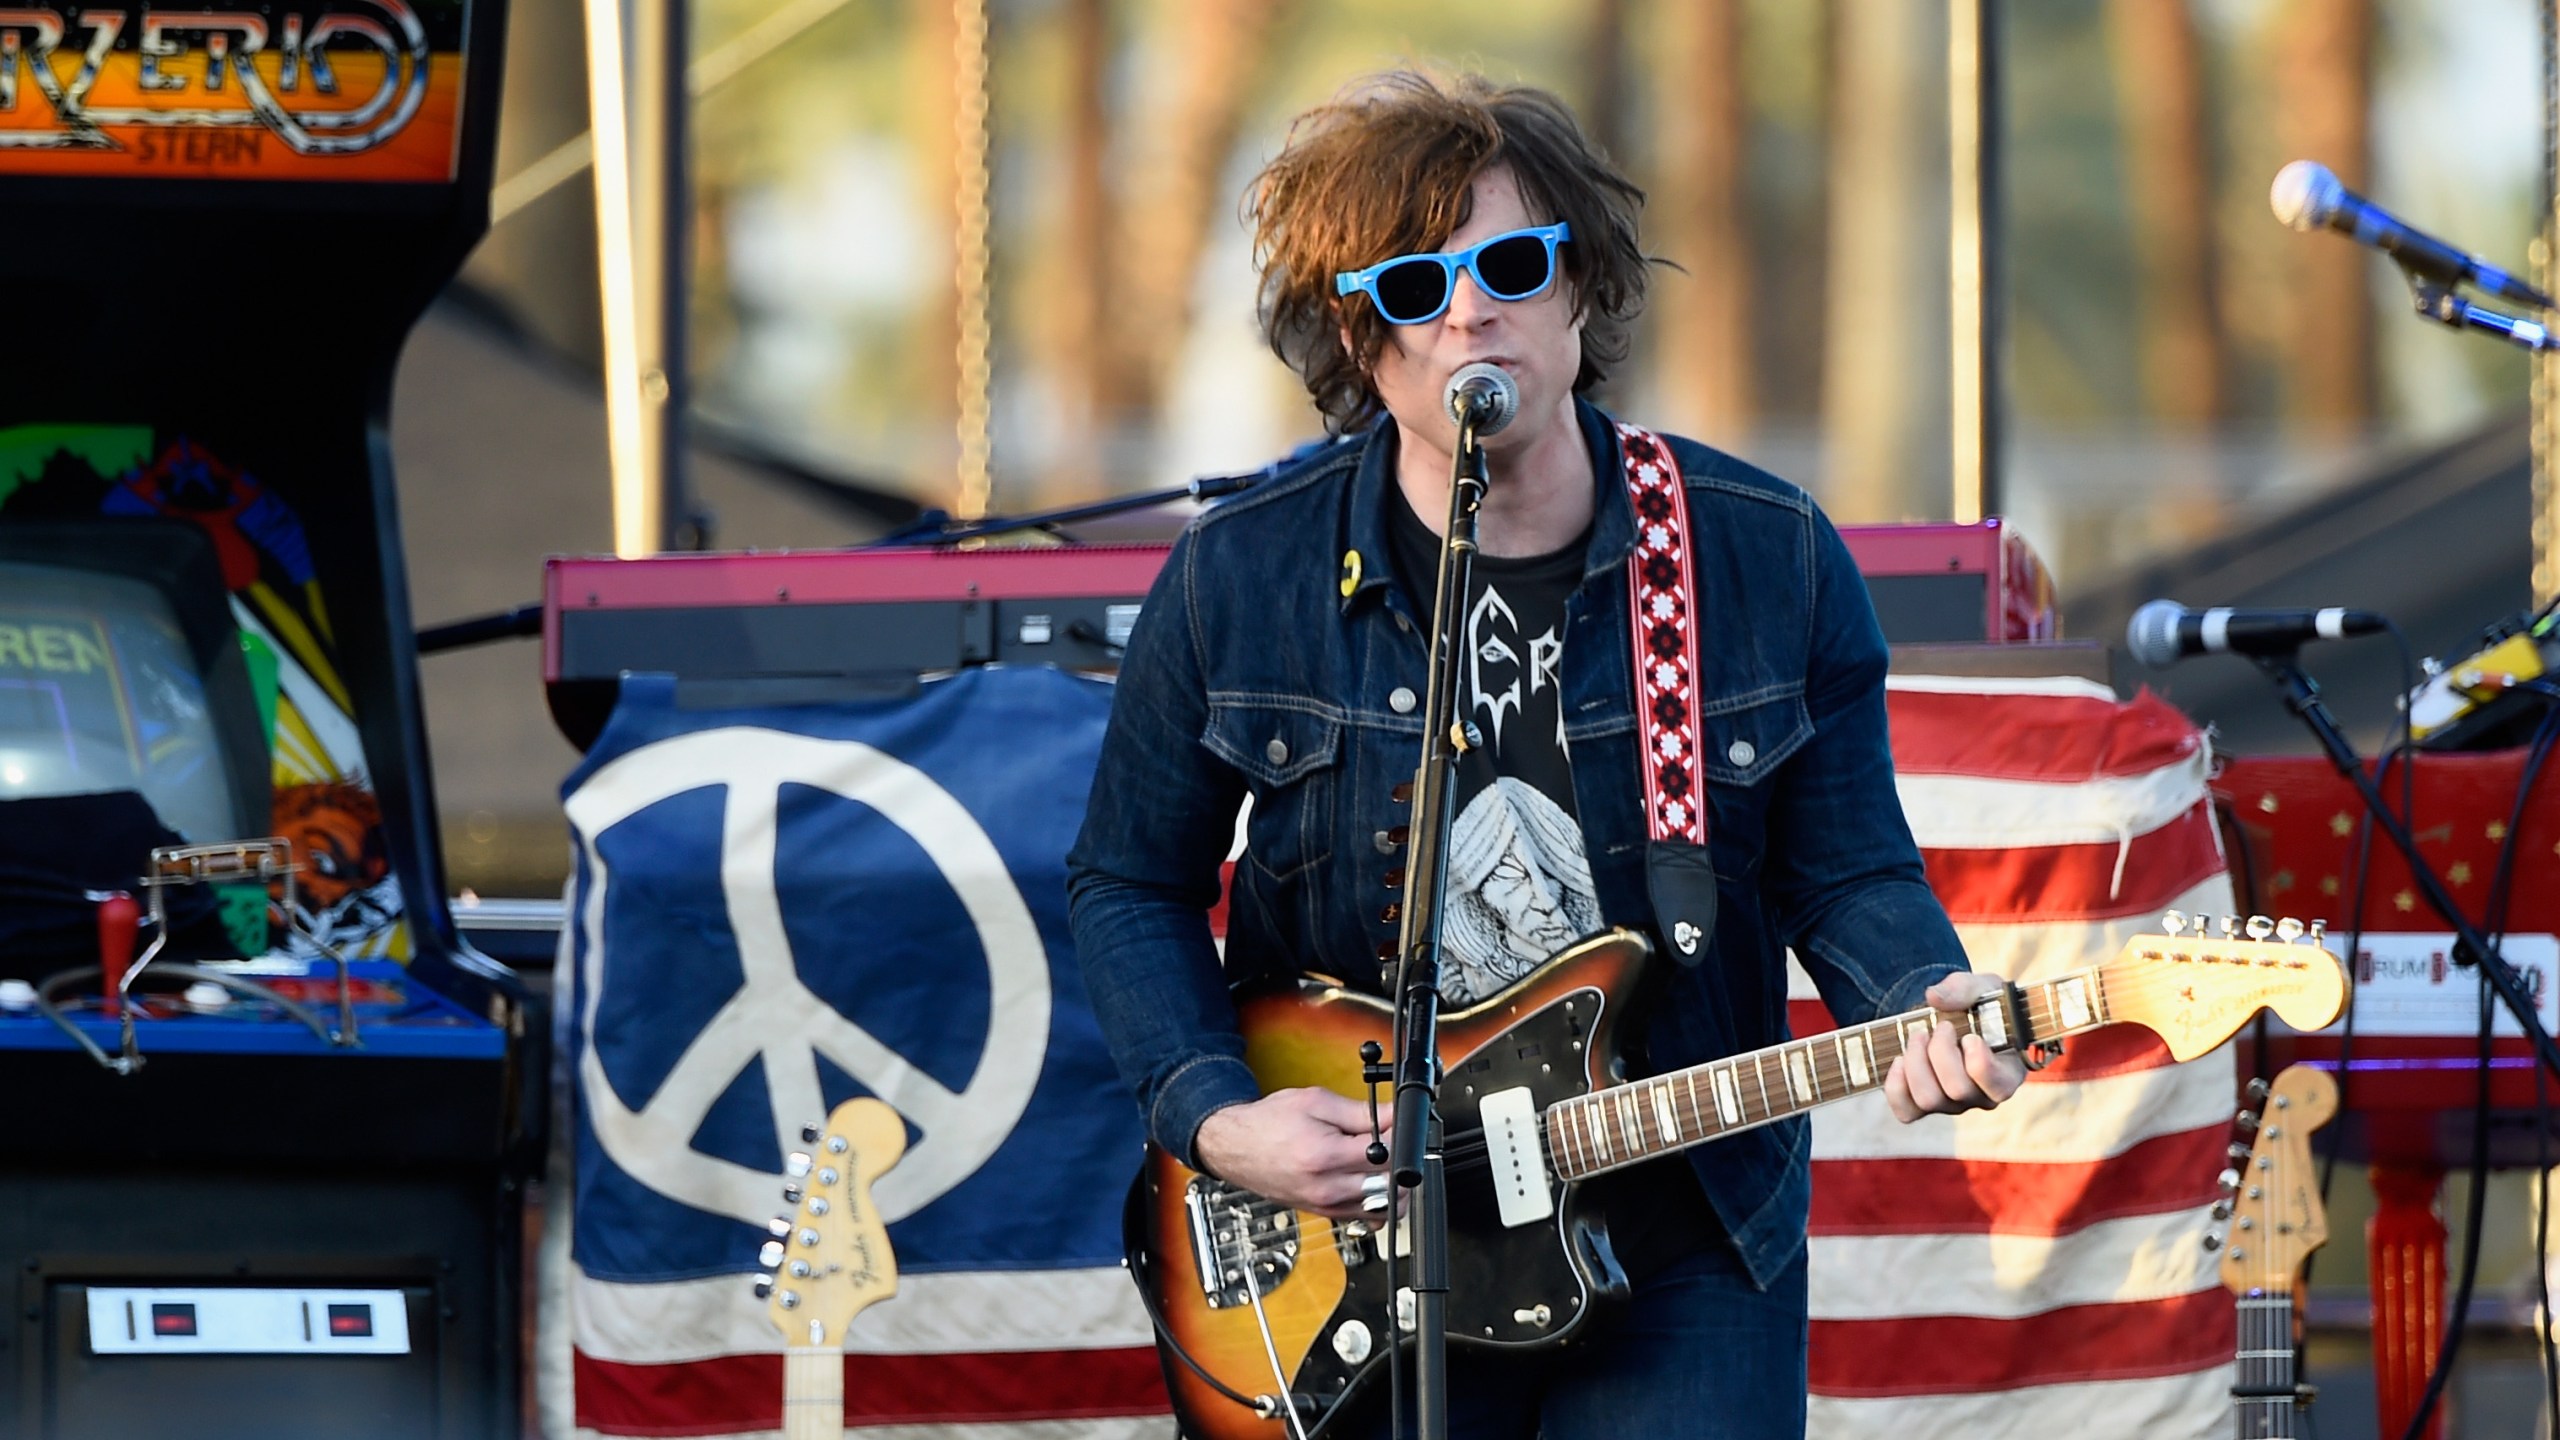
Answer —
361 90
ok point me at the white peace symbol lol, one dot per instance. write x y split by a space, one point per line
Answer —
778 1020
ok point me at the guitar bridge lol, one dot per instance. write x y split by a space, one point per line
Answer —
1241 1244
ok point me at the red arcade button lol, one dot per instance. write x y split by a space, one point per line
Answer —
351 1321
173 1318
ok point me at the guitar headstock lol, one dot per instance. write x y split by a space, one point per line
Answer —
2270 1218
2196 988
829 1260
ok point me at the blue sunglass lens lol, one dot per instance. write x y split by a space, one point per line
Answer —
1411 291
1513 267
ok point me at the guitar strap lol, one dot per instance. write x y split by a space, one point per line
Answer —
1661 603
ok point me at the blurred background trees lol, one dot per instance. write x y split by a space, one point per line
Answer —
2177 359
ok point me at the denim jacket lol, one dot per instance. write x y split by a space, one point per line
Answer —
1251 672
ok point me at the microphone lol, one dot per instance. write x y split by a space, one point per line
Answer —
2165 632
1487 393
2307 197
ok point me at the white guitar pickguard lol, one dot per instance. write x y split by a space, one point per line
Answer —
1519 1166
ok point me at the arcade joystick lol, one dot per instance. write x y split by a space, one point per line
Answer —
119 920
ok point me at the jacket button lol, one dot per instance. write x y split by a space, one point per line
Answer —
1388 915
1739 752
1385 842
1278 752
1402 794
1395 878
1400 700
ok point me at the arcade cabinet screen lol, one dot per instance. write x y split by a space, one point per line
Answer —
99 691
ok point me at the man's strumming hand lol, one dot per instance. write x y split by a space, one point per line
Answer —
1306 1148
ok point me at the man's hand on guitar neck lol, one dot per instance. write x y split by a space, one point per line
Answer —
1954 1072
1306 1148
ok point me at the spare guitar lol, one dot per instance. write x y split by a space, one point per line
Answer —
829 1260
2275 1223
1270 1319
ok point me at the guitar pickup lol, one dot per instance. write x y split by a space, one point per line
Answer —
1519 1163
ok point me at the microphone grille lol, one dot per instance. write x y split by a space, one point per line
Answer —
1502 394
2305 194
2152 634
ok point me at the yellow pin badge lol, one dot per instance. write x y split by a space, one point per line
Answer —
1350 572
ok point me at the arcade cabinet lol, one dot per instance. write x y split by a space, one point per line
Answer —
269 1120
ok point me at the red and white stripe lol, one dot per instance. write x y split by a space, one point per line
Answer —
1011 1355
2038 1268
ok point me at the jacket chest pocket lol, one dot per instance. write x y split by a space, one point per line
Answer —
1290 758
1745 744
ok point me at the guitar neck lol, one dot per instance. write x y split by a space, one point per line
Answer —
2263 1394
1624 1124
812 1393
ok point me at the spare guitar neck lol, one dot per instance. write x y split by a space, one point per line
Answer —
829 1260
2272 1213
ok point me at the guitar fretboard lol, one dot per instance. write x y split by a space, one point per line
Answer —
1624 1124
2263 1391
813 1393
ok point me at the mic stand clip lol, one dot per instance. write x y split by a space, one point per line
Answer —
1415 1159
2440 304
2302 697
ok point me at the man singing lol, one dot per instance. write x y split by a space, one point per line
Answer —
1408 229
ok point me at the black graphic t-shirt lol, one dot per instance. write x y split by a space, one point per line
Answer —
1519 880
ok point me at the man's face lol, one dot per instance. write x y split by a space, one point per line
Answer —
1538 340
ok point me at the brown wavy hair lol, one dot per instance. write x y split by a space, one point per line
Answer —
1385 168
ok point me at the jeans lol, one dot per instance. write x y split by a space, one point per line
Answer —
1698 1353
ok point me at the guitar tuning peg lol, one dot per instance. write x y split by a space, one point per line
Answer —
791 1194
2288 930
2221 1209
764 1287
2318 932
2260 927
2257 1088
778 1227
795 1164
2212 1242
808 1134
2246 1120
770 1255
2230 1181
2239 1151
2174 921
2230 927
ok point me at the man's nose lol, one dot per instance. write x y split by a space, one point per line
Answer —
1468 304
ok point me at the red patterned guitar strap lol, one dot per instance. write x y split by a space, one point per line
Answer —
1662 598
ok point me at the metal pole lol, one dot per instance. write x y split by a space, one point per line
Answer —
1974 254
659 214
2546 368
637 521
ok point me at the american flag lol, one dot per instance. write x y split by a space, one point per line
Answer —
2037 1269
774 910
2032 1270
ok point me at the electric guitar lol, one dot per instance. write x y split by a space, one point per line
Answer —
829 1260
2275 1224
1270 1319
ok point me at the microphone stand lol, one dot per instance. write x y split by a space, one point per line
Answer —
1416 1164
2302 697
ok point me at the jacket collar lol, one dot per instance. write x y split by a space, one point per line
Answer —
1364 523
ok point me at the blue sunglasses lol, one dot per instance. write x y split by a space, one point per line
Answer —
1415 289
